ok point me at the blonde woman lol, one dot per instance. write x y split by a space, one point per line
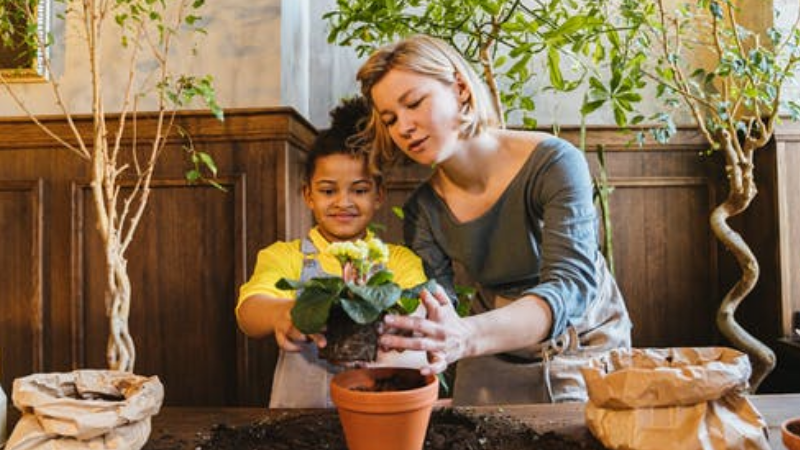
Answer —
515 209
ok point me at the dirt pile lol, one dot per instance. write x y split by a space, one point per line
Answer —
449 429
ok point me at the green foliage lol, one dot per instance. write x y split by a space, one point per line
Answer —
18 30
362 303
575 41
611 49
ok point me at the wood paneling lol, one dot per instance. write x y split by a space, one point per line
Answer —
194 247
21 320
197 245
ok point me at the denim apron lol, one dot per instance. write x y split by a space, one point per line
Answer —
549 372
302 379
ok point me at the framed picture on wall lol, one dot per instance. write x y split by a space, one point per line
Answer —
24 24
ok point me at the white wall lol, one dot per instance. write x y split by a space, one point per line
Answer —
264 53
242 51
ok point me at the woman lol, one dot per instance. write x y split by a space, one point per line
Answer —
515 209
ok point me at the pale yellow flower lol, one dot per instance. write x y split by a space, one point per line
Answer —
378 251
349 250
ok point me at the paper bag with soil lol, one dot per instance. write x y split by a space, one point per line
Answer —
84 409
676 398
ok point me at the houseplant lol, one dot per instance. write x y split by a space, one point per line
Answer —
121 160
348 308
617 52
144 35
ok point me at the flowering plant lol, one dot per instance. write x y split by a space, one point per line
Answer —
365 290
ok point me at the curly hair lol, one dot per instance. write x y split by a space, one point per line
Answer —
348 119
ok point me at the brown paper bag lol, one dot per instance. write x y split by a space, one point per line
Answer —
95 409
677 398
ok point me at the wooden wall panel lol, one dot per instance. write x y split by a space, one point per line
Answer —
194 248
21 308
183 298
197 245
788 207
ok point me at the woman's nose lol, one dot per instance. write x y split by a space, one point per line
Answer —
406 125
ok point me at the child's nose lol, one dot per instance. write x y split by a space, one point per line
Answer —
344 199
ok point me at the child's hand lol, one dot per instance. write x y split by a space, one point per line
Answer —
290 339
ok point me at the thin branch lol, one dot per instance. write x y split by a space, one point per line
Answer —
21 104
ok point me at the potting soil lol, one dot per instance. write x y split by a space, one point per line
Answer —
449 429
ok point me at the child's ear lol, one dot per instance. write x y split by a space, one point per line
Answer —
307 196
380 196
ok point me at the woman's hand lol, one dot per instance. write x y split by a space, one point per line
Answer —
443 334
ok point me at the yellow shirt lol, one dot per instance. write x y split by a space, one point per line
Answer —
285 260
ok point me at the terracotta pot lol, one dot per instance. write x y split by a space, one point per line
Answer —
386 419
790 432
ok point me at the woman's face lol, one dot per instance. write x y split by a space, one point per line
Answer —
342 196
420 113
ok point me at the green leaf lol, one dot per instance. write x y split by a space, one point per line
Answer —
312 308
406 305
590 107
208 161
286 284
370 301
554 68
360 311
380 277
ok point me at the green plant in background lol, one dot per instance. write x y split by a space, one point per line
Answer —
520 47
733 94
142 34
614 51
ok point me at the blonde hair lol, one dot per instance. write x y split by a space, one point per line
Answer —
430 57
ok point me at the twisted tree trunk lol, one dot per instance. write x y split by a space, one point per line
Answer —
742 191
120 351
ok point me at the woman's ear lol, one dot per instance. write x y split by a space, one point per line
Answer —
462 88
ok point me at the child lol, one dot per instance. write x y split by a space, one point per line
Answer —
343 196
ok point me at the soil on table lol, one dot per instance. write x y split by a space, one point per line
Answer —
449 429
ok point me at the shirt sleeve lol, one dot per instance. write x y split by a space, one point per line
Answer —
277 261
563 193
419 237
406 266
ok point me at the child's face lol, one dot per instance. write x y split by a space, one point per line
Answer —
342 196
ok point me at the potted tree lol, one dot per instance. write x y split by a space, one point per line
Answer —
121 161
617 50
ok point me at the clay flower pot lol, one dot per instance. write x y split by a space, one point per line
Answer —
790 432
387 408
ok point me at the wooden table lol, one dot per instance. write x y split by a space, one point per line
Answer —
185 423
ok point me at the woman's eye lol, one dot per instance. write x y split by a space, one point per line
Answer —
390 122
415 103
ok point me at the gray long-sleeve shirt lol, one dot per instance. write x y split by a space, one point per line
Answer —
540 237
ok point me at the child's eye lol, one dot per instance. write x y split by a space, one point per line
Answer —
327 192
362 191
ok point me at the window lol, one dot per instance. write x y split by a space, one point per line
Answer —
24 27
